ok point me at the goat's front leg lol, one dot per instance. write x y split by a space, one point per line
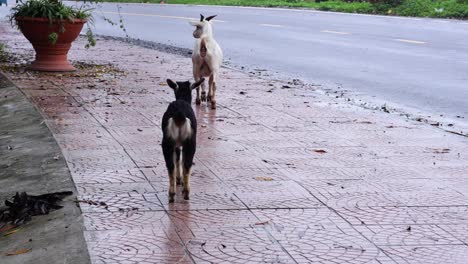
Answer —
212 88
188 153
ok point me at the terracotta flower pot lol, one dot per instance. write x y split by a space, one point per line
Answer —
49 56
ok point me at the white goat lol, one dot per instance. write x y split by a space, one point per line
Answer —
207 58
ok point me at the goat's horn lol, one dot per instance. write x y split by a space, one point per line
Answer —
210 17
201 17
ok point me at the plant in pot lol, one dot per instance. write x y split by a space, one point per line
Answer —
51 27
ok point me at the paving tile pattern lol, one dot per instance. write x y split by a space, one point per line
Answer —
280 175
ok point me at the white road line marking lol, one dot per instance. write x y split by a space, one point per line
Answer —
153 15
335 32
411 41
272 25
294 10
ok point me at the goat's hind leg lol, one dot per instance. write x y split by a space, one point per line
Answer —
212 88
188 153
178 165
203 93
168 151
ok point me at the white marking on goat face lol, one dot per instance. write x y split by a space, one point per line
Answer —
179 133
201 28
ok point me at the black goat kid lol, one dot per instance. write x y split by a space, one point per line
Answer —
179 127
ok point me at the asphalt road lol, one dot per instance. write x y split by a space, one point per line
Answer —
416 63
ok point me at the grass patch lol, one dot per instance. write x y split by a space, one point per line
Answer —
418 8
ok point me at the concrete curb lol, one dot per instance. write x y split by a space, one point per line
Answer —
31 161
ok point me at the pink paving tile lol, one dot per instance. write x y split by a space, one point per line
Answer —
210 219
108 176
98 159
126 220
388 215
453 254
203 201
115 188
235 245
122 202
273 194
136 246
407 235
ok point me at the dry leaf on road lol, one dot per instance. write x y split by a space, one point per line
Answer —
261 178
320 151
11 232
19 252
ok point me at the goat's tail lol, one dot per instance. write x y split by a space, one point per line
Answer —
179 118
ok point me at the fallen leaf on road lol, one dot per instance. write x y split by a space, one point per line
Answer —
441 151
262 223
19 252
9 147
56 157
11 232
261 178
162 84
408 229
321 151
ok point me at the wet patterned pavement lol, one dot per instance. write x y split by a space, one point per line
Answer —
283 174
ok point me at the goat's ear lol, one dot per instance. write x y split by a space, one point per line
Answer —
196 84
172 84
210 17
201 17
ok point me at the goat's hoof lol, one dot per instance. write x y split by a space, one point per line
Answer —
203 96
179 181
198 101
213 104
186 194
171 197
209 98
